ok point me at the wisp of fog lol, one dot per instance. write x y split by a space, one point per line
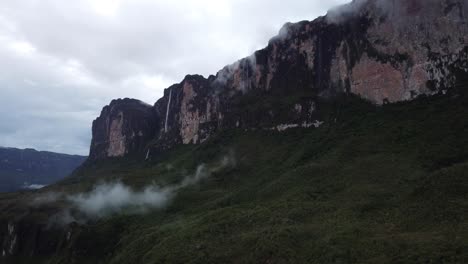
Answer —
112 198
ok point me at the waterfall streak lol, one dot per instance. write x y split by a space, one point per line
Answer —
167 111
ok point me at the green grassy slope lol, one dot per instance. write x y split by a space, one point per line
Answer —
379 185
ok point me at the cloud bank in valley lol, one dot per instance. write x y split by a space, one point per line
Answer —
62 61
113 198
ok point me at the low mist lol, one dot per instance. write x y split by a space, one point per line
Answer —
114 198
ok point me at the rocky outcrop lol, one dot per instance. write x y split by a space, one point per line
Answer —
408 48
38 238
382 50
28 239
124 127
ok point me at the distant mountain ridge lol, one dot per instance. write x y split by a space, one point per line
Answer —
29 168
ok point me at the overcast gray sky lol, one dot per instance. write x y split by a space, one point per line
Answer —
62 61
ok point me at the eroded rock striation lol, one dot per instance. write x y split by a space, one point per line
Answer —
385 51
124 127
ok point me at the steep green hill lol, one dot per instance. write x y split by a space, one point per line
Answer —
372 185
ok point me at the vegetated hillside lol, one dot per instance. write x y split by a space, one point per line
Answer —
315 174
23 168
373 185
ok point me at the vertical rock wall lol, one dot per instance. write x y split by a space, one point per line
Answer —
382 50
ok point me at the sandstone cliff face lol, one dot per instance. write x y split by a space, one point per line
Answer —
382 50
124 127
409 48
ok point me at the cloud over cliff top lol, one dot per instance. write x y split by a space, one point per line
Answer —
61 61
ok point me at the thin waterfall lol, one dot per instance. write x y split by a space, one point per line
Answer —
167 111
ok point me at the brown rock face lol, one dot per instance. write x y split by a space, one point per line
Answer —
378 82
405 46
382 50
124 127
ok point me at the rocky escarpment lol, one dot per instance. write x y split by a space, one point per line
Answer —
124 127
30 239
37 237
382 50
409 48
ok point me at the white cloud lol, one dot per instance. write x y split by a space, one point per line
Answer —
105 7
73 57
22 47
